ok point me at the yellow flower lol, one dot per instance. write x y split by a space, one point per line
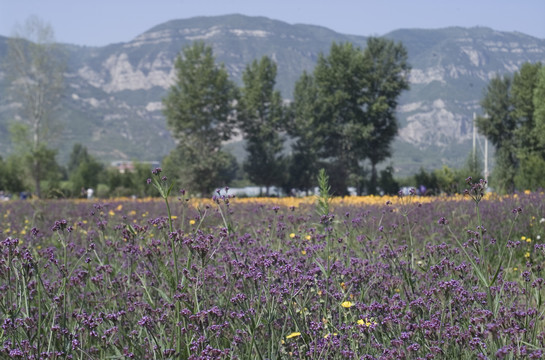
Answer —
119 207
366 322
173 217
111 213
303 252
293 334
523 238
292 235
328 335
515 269
307 237
347 304
527 255
191 222
528 240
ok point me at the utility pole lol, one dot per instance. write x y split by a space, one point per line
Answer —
474 137
486 160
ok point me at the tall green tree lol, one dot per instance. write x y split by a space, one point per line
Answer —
522 97
303 115
512 125
261 118
36 66
200 112
84 170
342 126
353 116
499 126
78 155
539 110
529 105
387 76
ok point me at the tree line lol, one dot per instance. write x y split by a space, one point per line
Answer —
342 119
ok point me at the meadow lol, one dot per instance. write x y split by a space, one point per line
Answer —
402 277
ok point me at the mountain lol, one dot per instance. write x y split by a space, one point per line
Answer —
112 101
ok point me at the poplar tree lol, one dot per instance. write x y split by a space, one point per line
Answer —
387 76
499 126
304 160
200 112
353 114
36 66
261 118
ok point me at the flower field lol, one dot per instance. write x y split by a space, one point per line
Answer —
314 278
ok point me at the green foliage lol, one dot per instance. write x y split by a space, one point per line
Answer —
200 172
522 97
11 176
539 108
303 114
200 110
531 174
37 161
129 183
387 76
36 68
200 104
84 171
513 124
261 117
345 112
498 124
387 182
78 155
449 181
430 181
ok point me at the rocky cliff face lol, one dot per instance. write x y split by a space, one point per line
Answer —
113 100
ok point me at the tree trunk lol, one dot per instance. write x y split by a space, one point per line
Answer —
37 179
374 179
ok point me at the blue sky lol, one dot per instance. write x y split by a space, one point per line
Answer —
102 22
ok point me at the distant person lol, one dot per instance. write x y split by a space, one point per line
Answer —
423 190
90 193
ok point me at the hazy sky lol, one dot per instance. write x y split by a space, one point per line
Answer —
102 22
